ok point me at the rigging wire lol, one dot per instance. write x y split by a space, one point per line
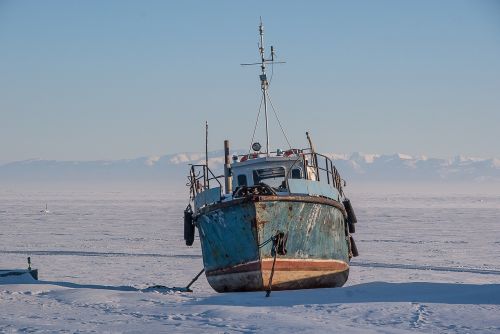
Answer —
277 118
256 123
272 74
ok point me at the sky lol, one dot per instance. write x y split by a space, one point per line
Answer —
91 80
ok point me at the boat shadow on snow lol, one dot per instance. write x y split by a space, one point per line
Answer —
89 286
24 279
374 292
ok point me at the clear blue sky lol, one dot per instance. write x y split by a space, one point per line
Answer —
120 79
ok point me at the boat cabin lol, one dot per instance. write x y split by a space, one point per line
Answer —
274 171
289 173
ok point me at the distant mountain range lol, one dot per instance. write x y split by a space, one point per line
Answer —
173 169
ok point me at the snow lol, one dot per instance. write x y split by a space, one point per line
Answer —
428 263
403 156
152 160
183 158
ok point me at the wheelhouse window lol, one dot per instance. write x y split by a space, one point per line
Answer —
273 177
296 173
242 180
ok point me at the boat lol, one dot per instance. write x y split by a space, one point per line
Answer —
20 272
276 219
46 209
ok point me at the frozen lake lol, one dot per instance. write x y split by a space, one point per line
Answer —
428 263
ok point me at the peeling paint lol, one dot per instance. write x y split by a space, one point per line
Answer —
231 234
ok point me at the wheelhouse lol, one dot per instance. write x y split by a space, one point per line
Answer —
293 172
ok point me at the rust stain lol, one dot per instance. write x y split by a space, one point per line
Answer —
316 229
305 265
262 222
261 199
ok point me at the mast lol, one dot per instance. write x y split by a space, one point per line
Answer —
264 84
206 154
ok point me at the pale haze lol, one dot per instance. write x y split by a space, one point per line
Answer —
120 79
103 107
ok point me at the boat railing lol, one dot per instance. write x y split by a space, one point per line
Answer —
325 169
201 178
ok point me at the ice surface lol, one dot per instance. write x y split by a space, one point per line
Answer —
429 263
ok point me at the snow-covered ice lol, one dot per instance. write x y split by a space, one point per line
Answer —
428 263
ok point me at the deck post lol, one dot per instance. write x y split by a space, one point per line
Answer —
227 169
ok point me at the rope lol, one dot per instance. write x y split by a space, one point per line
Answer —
279 247
266 242
268 292
276 240
277 118
256 123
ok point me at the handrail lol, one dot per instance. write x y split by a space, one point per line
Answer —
198 172
323 165
330 171
310 159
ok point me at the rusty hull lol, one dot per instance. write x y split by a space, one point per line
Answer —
232 234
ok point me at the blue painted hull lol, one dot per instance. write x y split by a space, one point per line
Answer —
232 236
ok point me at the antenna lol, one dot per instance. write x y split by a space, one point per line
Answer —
264 84
206 152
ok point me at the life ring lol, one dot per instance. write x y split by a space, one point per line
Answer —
290 152
249 156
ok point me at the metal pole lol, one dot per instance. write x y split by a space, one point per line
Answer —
263 80
327 173
313 156
227 169
206 153
265 114
194 279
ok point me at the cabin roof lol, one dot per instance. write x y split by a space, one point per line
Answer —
263 160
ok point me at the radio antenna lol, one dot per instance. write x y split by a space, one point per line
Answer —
264 84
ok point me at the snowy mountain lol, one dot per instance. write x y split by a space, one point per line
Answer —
173 169
167 169
402 167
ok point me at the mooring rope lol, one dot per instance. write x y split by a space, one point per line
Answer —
279 247
269 287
